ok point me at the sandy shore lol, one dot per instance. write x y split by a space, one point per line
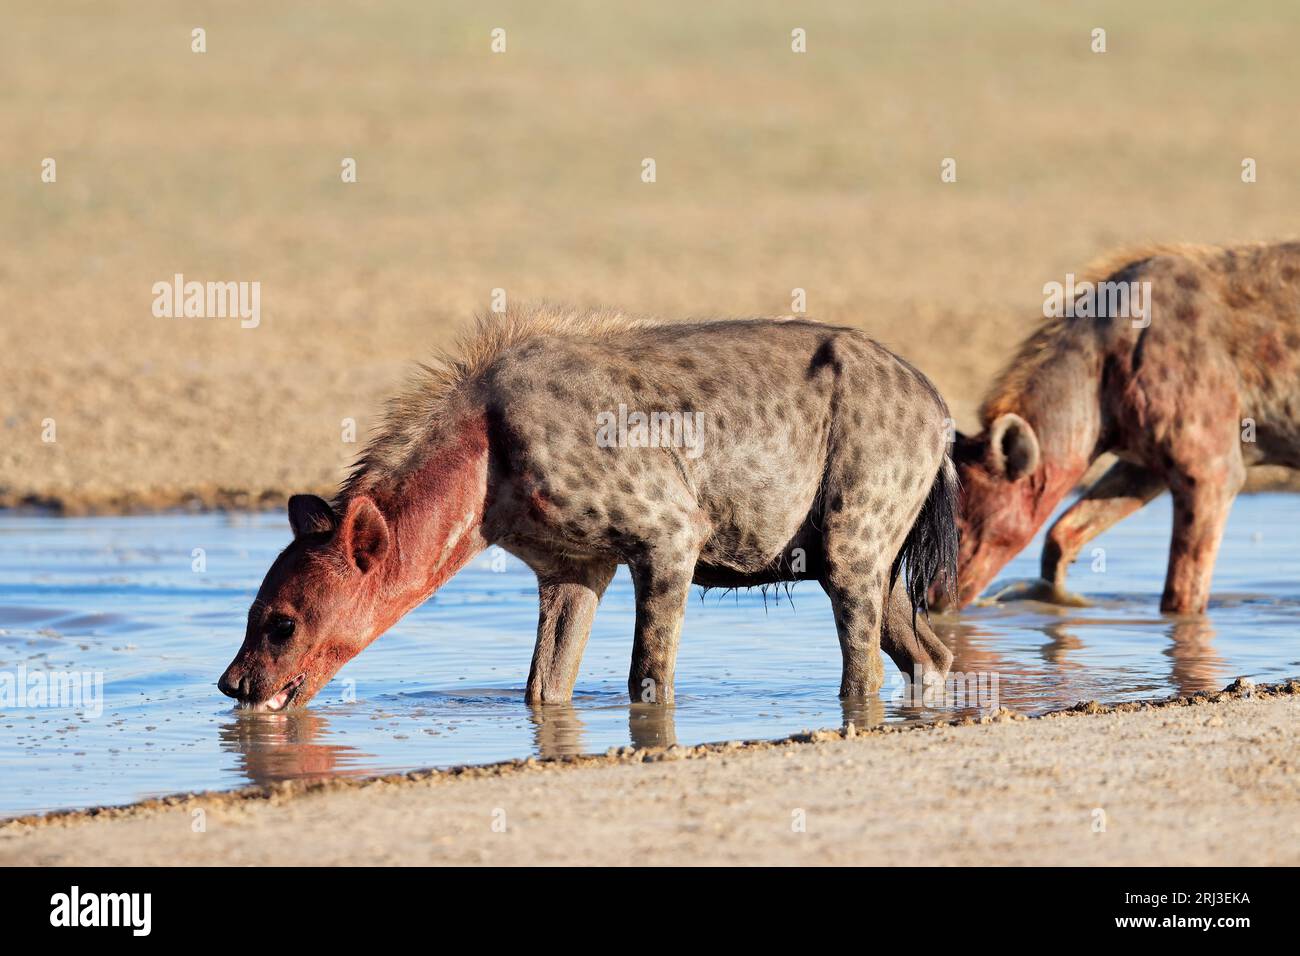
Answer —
1201 780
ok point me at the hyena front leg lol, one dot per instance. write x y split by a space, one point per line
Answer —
1201 506
567 597
1122 490
662 582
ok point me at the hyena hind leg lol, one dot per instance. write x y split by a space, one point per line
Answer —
915 650
856 599
567 600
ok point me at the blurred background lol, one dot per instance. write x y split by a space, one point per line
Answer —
522 170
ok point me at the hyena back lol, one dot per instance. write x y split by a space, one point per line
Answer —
783 451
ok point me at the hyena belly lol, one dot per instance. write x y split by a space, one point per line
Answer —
810 453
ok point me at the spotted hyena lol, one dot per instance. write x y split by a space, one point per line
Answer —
728 454
1187 396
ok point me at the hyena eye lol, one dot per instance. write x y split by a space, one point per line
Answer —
280 628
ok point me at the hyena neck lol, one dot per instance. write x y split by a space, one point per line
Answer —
435 517
1062 404
1055 478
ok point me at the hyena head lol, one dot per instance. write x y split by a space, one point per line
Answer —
318 606
999 496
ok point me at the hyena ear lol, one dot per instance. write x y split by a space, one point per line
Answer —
1013 447
310 515
364 534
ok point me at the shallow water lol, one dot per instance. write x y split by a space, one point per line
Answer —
119 598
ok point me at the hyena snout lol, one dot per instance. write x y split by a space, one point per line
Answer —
234 682
245 680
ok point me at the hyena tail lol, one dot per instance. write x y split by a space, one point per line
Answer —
930 552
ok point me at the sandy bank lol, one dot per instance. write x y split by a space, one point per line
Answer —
1202 780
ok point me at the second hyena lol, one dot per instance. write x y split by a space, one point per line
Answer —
798 451
1205 385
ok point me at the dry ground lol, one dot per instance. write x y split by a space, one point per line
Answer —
521 171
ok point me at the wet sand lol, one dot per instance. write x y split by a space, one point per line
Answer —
1211 779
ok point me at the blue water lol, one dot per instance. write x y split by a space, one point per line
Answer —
119 597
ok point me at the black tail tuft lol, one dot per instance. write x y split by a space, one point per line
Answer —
930 552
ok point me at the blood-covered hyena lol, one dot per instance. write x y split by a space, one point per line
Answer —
798 451
1187 396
